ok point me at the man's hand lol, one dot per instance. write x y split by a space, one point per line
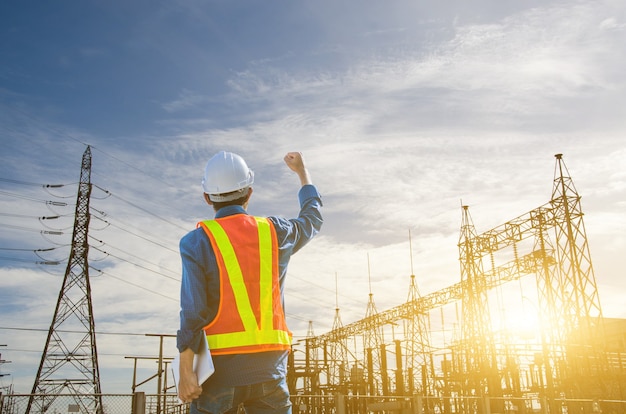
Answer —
295 162
188 387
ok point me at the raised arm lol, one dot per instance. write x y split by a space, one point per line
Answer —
295 162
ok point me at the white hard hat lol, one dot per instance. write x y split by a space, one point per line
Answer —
226 173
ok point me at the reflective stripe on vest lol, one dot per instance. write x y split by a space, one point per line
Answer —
254 337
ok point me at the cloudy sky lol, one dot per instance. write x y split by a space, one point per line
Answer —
404 111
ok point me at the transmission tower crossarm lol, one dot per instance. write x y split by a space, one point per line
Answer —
512 270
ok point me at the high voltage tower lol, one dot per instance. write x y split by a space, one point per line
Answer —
567 359
69 362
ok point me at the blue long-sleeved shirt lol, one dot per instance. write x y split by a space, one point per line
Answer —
199 296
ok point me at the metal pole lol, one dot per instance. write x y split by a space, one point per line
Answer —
139 403
341 406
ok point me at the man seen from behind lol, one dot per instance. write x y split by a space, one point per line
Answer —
234 269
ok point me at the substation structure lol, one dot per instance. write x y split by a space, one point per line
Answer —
538 263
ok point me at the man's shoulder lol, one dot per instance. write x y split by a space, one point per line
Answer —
277 221
193 236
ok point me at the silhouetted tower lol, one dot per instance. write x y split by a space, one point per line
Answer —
69 362
311 380
577 303
338 350
476 350
419 364
547 292
374 345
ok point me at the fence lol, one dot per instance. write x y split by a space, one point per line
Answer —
359 404
138 403
141 403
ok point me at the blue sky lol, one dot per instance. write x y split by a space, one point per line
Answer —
403 110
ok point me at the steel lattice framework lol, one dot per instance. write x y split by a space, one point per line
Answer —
419 363
69 362
338 352
569 359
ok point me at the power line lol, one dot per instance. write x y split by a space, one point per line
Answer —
135 234
30 216
72 138
132 284
292 276
12 181
13 328
134 167
125 228
53 232
54 203
15 259
29 250
135 264
139 207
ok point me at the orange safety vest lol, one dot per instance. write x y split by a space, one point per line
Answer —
250 316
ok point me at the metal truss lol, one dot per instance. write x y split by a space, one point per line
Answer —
69 362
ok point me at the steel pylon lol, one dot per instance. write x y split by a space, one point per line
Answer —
69 362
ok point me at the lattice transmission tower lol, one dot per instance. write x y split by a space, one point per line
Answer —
419 362
577 311
338 351
374 347
478 351
69 362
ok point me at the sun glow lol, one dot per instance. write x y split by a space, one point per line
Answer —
521 322
517 318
